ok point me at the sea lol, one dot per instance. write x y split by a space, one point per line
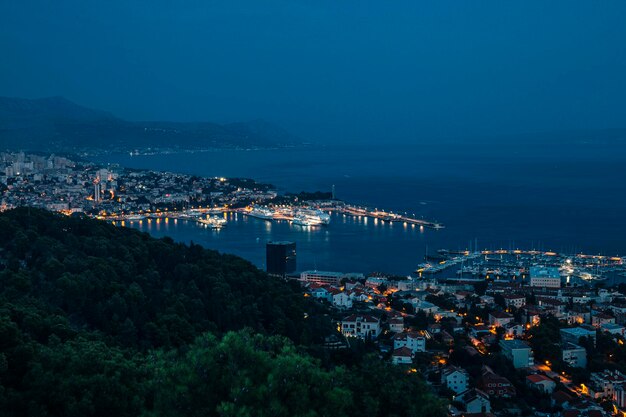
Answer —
563 197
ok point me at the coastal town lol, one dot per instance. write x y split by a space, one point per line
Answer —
535 345
500 333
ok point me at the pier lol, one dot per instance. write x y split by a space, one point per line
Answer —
387 216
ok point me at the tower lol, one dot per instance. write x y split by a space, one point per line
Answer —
280 258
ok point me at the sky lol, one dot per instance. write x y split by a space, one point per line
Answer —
350 70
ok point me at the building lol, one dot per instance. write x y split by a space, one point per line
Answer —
574 355
514 300
500 318
545 277
280 258
599 319
474 401
322 277
363 326
573 334
402 356
615 329
518 352
396 324
541 383
455 378
413 340
495 385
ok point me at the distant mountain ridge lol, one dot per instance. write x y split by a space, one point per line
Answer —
55 123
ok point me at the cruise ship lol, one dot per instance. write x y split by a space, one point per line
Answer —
306 220
318 215
261 213
213 222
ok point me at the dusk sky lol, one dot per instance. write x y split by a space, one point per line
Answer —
328 70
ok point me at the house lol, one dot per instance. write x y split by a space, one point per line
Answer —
574 355
447 338
455 379
474 401
499 318
495 385
573 334
518 352
340 299
319 292
402 356
561 399
514 300
396 324
599 319
487 300
541 383
426 307
513 330
612 328
360 325
413 340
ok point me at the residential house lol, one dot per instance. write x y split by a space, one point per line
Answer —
455 379
514 300
413 340
495 385
599 318
396 324
574 355
474 401
499 318
360 325
573 334
518 352
612 328
402 356
541 383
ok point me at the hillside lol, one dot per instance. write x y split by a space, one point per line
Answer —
99 321
55 123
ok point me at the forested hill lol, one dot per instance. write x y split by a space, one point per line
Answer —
57 124
103 321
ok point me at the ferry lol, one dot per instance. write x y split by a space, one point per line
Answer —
132 217
323 217
306 220
261 213
213 222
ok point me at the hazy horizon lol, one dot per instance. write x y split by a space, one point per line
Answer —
328 72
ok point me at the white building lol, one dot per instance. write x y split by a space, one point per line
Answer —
402 356
413 340
360 325
514 300
474 401
518 352
574 355
455 378
545 277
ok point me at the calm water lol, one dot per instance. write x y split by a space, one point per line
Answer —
564 198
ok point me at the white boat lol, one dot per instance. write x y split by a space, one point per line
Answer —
261 213
213 222
305 220
323 217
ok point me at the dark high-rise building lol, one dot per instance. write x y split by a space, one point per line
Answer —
280 258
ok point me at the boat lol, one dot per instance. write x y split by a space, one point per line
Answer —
213 222
305 220
319 215
260 212
132 217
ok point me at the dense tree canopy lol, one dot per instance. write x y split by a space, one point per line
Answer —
103 321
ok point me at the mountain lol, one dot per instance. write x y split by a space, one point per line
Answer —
56 123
